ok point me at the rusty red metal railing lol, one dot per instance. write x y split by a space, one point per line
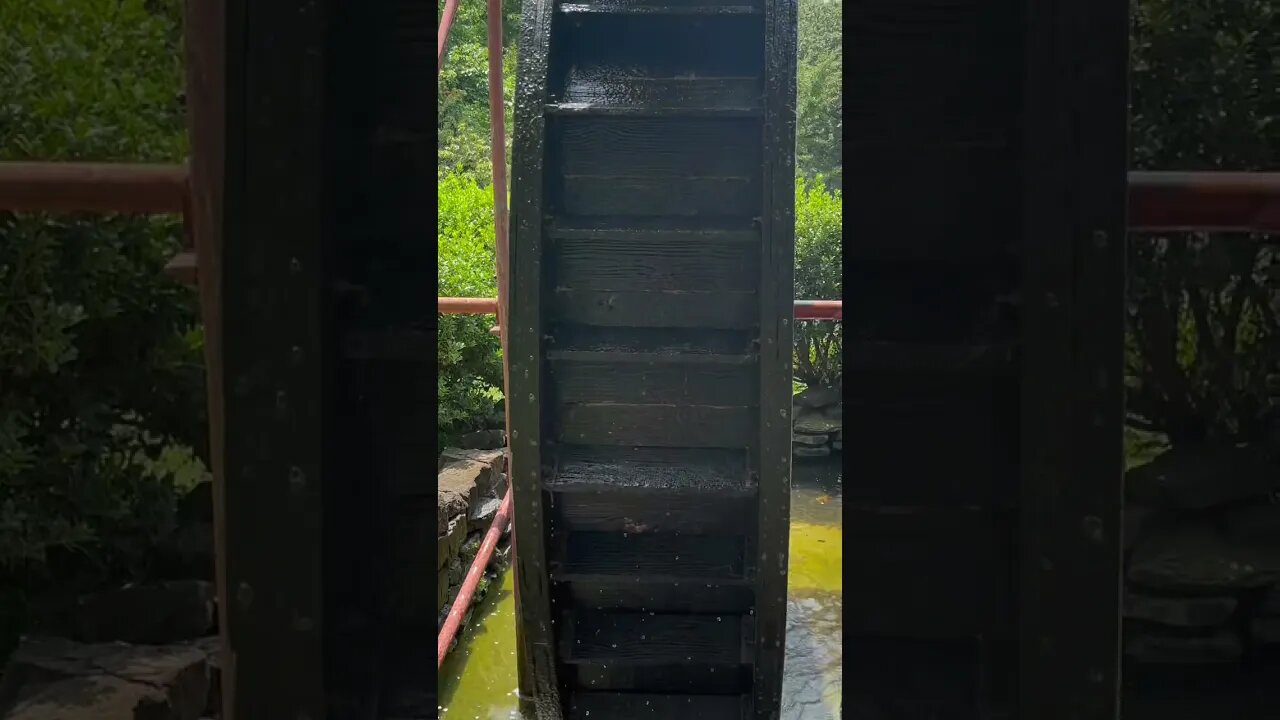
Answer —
453 621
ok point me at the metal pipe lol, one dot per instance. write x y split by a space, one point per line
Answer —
819 310
453 621
1204 201
92 187
466 306
442 33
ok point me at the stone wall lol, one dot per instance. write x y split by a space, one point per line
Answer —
818 422
144 651
1202 557
471 484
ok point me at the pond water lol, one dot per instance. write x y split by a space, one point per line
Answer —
478 680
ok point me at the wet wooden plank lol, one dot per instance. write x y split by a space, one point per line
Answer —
673 678
720 310
626 593
776 308
662 470
648 512
681 344
659 707
613 87
669 264
640 229
661 147
634 638
678 426
719 384
539 683
602 194
723 47
708 558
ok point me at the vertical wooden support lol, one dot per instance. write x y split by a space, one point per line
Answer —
777 298
523 314
204 40
1075 157
268 287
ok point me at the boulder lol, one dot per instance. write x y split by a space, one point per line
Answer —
804 451
1193 556
1189 612
815 422
1145 645
818 397
810 439
448 545
457 487
483 440
56 679
482 515
442 588
1202 477
153 613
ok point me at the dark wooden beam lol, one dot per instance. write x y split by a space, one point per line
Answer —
267 286
1073 244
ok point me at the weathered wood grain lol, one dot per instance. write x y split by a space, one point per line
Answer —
1073 229
717 384
659 146
625 593
666 707
649 512
636 638
707 558
274 225
642 469
673 264
902 560
677 426
665 309
603 194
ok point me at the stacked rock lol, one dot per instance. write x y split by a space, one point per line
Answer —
470 486
819 422
1202 555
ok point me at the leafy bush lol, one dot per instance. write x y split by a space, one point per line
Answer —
1202 307
818 276
100 366
470 359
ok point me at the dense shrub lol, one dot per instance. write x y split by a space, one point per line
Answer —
818 277
470 359
1203 307
100 371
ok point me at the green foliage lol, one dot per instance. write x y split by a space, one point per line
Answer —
1202 320
470 359
818 276
819 101
100 366
463 109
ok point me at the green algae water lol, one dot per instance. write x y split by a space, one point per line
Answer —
478 679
